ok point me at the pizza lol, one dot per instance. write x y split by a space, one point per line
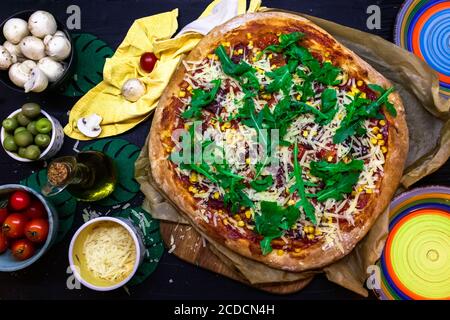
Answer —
278 142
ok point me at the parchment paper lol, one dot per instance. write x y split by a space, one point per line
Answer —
428 119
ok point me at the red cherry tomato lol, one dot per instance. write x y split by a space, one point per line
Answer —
148 61
36 210
19 200
37 230
3 215
14 225
3 243
22 249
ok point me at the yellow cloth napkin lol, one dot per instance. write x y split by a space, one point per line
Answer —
149 34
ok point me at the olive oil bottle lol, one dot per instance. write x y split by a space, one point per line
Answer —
88 176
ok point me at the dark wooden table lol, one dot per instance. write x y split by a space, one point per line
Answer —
173 279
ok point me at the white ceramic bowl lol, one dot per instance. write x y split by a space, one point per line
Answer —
135 234
56 142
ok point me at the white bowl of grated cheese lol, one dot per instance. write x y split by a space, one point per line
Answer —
105 253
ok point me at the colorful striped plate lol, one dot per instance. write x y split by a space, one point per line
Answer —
415 264
423 27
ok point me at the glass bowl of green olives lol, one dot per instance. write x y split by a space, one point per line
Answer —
30 134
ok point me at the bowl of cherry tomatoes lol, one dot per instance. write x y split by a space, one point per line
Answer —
28 226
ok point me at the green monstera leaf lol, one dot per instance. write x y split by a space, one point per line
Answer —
124 155
63 202
152 241
91 55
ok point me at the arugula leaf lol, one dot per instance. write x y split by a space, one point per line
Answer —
324 169
329 107
272 221
243 72
262 184
202 168
359 110
337 190
236 198
283 115
224 169
300 53
286 40
251 82
282 80
306 89
250 118
306 108
329 99
300 187
328 74
232 183
200 99
339 178
229 67
383 99
346 131
265 245
353 121
376 87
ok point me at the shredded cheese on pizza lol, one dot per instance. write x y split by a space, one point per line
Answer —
315 141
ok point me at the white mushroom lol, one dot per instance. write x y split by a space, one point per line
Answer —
90 125
42 23
6 59
19 73
14 50
57 46
51 68
33 48
133 90
37 82
57 34
15 29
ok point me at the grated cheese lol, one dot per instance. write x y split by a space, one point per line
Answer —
109 251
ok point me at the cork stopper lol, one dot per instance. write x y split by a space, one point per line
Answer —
58 173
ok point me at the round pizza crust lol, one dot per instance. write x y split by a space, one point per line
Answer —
315 256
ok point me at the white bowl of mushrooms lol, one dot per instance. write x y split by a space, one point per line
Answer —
36 52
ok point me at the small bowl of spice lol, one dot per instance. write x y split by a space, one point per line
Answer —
105 253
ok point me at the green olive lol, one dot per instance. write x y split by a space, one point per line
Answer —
23 119
23 138
32 152
9 144
21 152
31 110
42 140
19 129
10 124
32 128
43 125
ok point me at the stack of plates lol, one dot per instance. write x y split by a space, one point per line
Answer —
415 263
423 27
